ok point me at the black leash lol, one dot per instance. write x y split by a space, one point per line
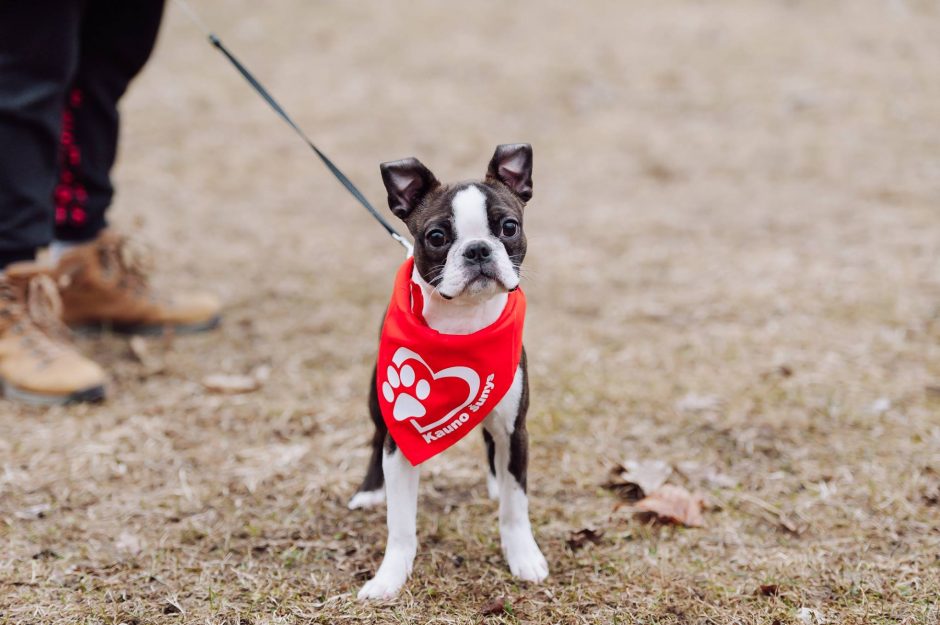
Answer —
259 88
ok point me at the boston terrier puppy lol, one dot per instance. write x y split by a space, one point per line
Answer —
468 247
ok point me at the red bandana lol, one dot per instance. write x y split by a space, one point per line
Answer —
434 388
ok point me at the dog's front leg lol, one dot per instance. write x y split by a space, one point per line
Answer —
401 492
506 427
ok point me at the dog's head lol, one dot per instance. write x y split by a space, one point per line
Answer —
469 241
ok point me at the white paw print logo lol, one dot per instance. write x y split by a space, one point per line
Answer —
406 405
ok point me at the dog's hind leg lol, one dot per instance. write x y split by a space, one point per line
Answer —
401 483
372 490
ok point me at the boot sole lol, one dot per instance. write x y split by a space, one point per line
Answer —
92 394
92 329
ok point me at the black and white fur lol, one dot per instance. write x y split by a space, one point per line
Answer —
469 244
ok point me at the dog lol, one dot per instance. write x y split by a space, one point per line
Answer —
469 246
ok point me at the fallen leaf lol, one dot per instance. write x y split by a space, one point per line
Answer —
673 504
626 490
634 480
231 384
495 607
577 540
648 475
171 607
769 590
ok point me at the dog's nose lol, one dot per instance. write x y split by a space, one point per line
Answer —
478 251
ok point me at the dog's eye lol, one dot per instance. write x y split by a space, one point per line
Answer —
436 238
510 228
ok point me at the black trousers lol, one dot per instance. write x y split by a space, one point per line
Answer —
64 65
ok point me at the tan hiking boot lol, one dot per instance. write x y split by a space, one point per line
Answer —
104 284
38 364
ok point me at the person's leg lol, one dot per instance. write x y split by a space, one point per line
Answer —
38 59
116 40
103 281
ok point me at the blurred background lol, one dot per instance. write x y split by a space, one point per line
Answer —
734 269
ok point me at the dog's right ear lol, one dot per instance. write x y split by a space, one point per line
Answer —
407 182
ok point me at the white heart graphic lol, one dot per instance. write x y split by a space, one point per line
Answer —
406 406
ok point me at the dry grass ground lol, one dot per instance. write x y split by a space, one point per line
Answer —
734 261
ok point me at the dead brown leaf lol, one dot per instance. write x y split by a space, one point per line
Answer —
577 540
769 590
633 480
673 504
495 607
172 606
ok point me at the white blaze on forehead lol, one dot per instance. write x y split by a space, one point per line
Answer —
470 219
471 225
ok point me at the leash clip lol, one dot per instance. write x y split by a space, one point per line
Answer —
405 243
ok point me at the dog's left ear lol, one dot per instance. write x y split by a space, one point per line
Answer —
512 165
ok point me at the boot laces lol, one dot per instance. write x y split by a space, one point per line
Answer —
132 260
124 262
44 307
36 315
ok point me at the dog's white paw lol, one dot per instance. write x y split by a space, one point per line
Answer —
398 381
379 588
367 499
391 576
524 556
